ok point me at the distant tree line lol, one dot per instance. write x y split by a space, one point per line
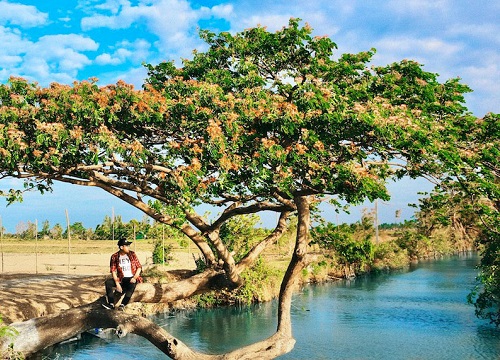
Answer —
108 229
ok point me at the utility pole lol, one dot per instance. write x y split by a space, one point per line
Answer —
69 239
36 246
1 240
135 240
163 244
113 222
376 221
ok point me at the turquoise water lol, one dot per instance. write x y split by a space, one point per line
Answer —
416 314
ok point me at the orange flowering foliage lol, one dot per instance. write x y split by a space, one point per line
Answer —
293 120
60 130
256 114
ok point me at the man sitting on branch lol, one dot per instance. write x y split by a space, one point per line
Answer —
125 269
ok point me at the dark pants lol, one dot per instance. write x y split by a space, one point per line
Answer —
127 287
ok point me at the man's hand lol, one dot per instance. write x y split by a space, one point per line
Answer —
119 288
133 280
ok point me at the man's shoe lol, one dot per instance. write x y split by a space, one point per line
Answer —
121 307
108 306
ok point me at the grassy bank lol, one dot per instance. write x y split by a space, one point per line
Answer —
396 249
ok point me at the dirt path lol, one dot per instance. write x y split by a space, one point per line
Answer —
25 295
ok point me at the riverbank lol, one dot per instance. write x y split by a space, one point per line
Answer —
24 296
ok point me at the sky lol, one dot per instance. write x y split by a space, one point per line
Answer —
63 41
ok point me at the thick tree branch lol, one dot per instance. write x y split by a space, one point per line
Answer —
297 264
195 236
250 209
39 333
254 253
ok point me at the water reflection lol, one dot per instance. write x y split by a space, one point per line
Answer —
220 330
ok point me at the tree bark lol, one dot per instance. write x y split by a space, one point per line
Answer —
297 264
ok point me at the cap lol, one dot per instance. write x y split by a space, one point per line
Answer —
124 241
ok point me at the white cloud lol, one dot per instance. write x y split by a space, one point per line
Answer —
272 22
14 47
57 57
113 6
173 22
483 77
135 52
12 42
107 59
22 15
390 49
418 7
418 45
123 15
483 32
9 60
222 11
322 15
97 21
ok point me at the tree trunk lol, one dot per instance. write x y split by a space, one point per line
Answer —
297 264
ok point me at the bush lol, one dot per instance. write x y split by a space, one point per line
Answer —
389 256
261 283
416 244
201 265
162 254
318 272
353 252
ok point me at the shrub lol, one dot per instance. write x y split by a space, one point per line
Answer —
353 252
261 284
388 256
416 244
201 264
162 253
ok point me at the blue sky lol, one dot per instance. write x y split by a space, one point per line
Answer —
63 41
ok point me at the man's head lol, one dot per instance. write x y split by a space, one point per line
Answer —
123 244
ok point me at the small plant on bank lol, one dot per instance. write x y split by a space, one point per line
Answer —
208 300
261 283
389 256
350 251
162 254
201 264
320 271
8 332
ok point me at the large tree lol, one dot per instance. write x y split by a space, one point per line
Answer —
482 186
468 200
260 121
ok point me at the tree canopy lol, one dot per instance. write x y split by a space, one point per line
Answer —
259 121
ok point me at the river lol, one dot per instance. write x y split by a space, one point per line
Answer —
420 313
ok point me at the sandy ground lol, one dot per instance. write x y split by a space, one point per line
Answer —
35 286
